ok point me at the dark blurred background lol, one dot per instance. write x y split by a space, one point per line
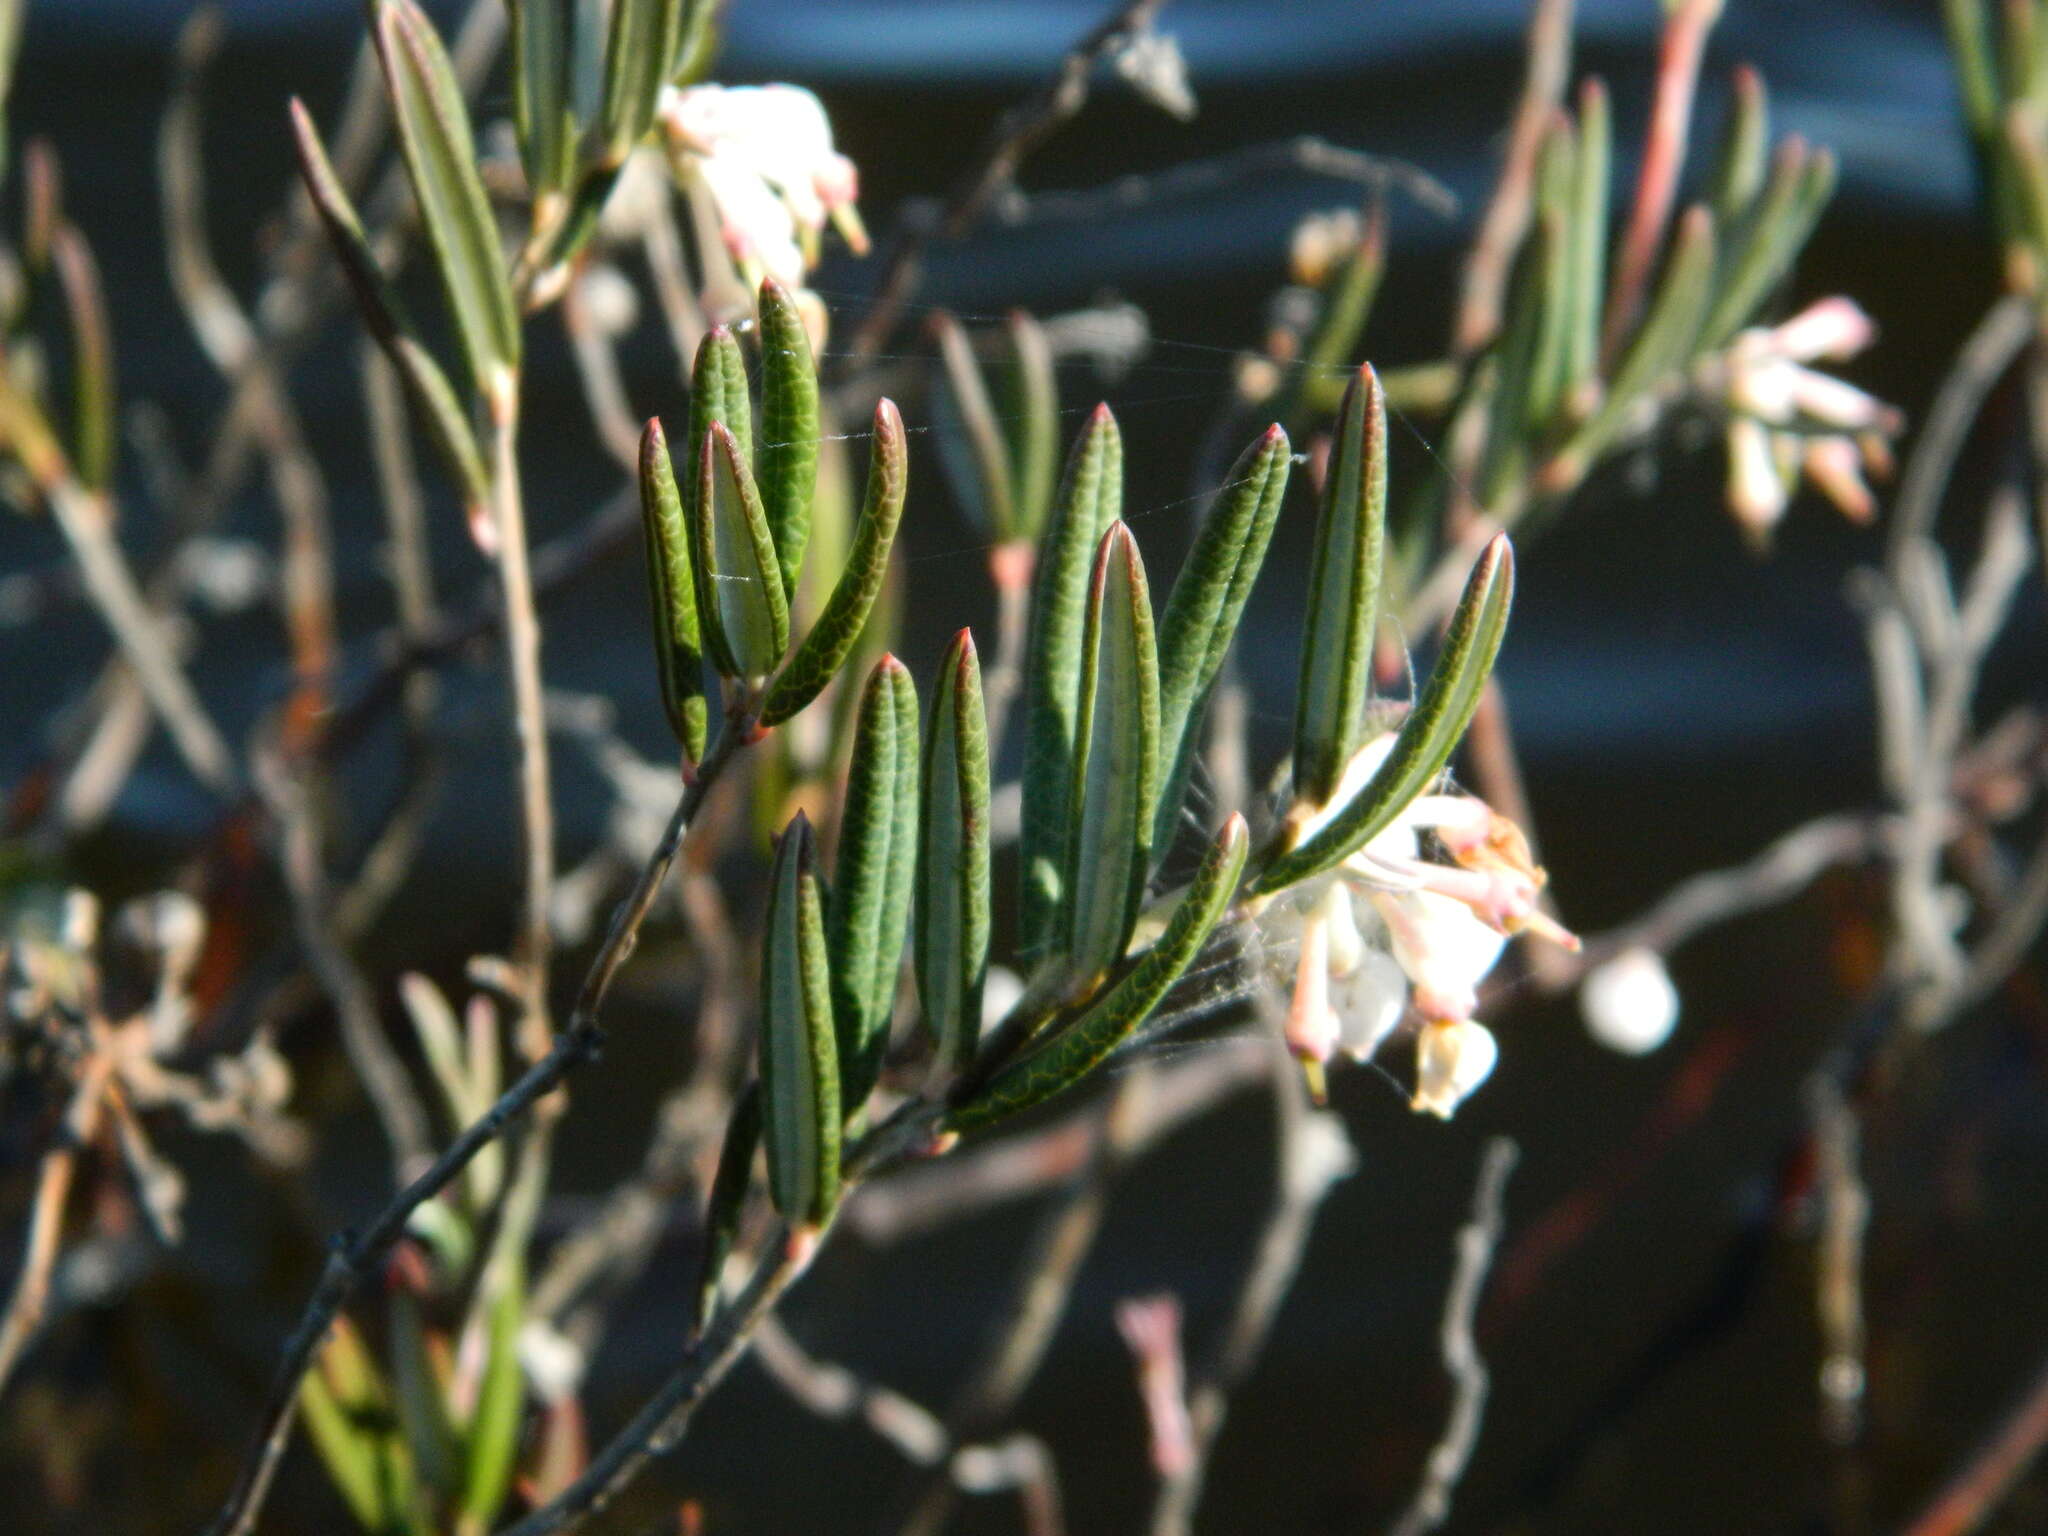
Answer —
1678 702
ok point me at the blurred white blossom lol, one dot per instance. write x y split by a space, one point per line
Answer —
1629 1002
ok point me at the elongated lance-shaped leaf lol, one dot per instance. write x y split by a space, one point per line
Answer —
639 51
426 386
1116 761
1428 736
1665 340
1588 235
1082 1046
788 461
1969 45
1031 402
698 43
728 1198
10 50
1800 186
1090 499
799 1048
967 420
839 627
1208 598
349 1419
1511 370
542 35
1740 162
418 1393
493 1442
93 393
872 874
441 160
1551 237
1348 300
672 588
1343 594
740 607
718 390
951 912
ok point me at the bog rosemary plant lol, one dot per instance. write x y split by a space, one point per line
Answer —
900 1002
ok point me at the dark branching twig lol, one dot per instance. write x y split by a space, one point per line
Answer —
355 1257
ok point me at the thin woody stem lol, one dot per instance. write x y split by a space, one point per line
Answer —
529 713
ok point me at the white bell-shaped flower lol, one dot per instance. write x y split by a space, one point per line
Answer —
1452 1058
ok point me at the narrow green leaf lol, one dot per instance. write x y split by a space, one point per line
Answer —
422 1405
1090 499
718 390
10 50
1742 159
872 874
441 160
542 32
672 588
1202 612
1428 736
1801 183
1969 45
967 420
1588 236
94 397
349 1418
951 915
1344 595
799 1057
1348 301
740 606
839 627
641 47
699 42
493 1442
789 428
1666 340
1082 1046
728 1199
1116 762
426 387
1031 401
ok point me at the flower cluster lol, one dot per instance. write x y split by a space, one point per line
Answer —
765 156
1390 930
1788 420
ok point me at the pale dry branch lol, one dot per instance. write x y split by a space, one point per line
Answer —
1477 1240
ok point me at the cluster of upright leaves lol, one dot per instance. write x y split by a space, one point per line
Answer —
585 90
439 150
1333 717
58 297
427 1437
2002 75
726 541
1115 705
1568 375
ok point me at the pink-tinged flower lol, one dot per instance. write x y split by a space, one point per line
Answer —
766 157
1390 928
1787 419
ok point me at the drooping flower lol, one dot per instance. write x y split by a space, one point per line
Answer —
1391 928
765 155
1788 419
